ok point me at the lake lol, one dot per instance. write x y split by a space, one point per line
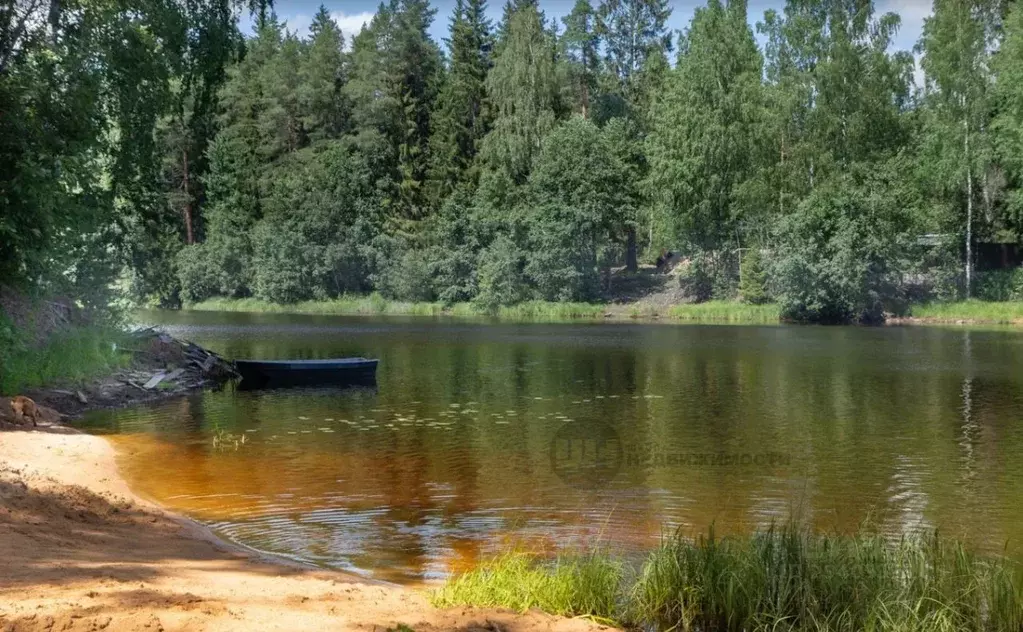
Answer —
484 435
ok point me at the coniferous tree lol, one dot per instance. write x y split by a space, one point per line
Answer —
580 45
633 31
325 106
636 42
461 119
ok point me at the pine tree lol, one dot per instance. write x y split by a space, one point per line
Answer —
324 104
580 45
633 31
393 85
636 42
461 119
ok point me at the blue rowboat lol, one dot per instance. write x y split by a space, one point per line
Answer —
340 371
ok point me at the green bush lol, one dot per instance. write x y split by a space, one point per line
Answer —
501 280
694 279
999 285
197 277
405 276
838 257
753 281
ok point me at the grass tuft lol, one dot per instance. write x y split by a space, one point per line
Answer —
782 578
726 312
374 304
70 357
583 585
972 310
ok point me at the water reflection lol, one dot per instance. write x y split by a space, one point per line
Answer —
451 457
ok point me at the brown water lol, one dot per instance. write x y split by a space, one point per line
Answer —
482 435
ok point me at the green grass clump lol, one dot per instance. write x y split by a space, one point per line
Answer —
972 310
370 304
585 585
791 579
726 312
546 310
375 304
779 579
70 357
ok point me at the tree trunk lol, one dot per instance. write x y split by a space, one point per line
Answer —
53 18
189 232
631 263
969 212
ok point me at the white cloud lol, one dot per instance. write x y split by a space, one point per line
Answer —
913 14
298 24
351 24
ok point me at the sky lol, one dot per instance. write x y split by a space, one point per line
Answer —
351 14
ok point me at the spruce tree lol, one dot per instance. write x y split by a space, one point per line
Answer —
325 107
461 119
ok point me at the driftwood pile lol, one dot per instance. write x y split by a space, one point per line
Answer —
165 363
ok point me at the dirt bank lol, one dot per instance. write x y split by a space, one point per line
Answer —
79 551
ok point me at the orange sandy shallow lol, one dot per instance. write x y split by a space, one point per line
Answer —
79 551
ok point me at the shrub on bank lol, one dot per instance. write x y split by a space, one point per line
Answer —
999 285
753 278
838 258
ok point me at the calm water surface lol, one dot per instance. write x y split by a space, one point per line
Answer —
481 435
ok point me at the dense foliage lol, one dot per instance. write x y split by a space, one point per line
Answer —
151 148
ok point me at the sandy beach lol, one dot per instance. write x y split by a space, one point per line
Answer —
80 551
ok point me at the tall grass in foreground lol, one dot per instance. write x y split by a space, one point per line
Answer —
780 579
973 310
726 312
70 357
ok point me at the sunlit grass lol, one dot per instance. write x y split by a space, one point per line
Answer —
726 312
583 585
369 304
972 310
374 304
71 357
783 578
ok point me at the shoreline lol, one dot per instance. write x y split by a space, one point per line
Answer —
81 551
707 313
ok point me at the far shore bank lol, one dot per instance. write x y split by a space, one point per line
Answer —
82 552
971 312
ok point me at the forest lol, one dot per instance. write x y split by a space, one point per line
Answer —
153 153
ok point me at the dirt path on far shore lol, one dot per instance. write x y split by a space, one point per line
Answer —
78 551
